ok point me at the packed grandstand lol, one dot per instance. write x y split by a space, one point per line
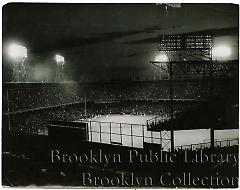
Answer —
38 103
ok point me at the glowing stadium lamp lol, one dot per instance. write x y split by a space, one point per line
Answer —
221 52
17 52
60 68
59 59
162 58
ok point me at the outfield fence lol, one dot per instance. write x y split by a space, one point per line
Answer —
125 134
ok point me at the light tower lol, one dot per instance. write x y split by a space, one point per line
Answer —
162 60
175 50
59 77
18 54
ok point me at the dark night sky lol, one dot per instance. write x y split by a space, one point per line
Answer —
106 39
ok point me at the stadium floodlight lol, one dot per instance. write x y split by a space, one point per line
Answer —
59 59
222 52
59 77
162 58
17 52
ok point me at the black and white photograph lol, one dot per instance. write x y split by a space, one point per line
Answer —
120 95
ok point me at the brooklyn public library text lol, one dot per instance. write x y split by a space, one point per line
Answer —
135 156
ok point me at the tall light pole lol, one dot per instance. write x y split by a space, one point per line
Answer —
18 54
163 62
59 77
221 53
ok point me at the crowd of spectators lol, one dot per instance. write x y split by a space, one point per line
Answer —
37 121
18 99
31 98
32 107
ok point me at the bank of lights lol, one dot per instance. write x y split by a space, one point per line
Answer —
59 59
222 52
161 58
16 51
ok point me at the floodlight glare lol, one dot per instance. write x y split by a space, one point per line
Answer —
59 59
60 68
221 52
16 51
162 58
